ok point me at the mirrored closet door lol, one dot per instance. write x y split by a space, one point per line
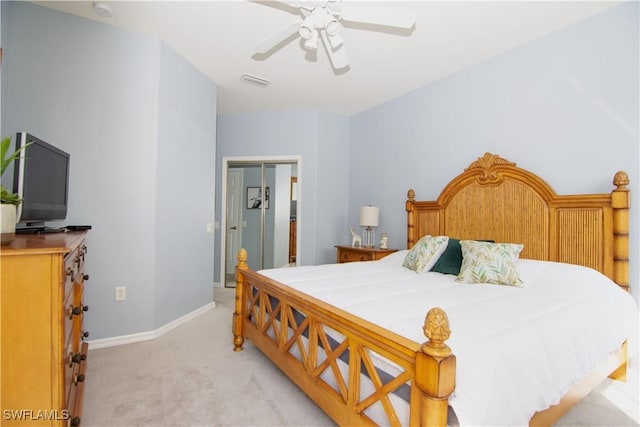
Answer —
261 214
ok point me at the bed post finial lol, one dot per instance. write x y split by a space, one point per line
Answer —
621 180
435 369
436 329
242 259
238 315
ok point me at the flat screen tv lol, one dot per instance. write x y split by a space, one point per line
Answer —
41 179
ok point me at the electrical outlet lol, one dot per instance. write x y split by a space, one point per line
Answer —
121 293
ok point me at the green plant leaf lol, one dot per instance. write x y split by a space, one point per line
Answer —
4 148
7 197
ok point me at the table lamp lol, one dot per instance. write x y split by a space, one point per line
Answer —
369 219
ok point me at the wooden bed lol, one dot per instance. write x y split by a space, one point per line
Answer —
492 199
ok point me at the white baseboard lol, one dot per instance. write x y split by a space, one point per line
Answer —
146 336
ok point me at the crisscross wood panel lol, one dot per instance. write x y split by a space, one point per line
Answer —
311 345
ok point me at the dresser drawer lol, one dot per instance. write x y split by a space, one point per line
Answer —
76 389
74 268
78 311
71 274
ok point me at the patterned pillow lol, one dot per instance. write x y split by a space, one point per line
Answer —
451 259
425 253
494 263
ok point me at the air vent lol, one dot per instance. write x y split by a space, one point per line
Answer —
254 80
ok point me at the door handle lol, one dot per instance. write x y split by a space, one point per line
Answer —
233 227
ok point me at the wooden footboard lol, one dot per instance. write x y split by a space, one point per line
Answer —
334 356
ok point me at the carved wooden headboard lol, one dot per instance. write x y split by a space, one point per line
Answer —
494 199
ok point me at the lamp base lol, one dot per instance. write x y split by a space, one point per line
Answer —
368 238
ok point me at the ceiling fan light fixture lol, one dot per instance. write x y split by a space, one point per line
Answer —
312 42
335 40
332 26
306 31
254 80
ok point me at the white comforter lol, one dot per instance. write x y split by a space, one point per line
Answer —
518 349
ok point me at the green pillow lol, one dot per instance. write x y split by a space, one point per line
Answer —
451 260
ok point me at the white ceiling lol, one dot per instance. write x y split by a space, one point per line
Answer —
217 36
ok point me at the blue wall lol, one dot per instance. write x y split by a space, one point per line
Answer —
139 123
185 179
322 141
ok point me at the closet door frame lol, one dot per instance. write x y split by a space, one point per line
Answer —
231 161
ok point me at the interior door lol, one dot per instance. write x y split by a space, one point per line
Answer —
233 218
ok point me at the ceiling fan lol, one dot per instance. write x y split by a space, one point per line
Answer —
321 20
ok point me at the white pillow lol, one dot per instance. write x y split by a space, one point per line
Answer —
425 253
495 263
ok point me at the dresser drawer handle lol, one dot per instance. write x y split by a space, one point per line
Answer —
85 334
78 357
85 277
77 311
78 378
71 272
74 422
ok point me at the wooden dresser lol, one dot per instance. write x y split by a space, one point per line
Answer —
353 254
43 353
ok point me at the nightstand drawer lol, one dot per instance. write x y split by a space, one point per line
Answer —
352 256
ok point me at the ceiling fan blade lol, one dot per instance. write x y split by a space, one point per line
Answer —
339 57
389 16
276 38
292 3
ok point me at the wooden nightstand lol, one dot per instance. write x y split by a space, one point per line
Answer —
351 254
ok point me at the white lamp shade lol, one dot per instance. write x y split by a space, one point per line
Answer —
369 216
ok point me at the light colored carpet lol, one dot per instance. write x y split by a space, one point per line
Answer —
192 377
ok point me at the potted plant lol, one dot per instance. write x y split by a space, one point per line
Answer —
8 201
